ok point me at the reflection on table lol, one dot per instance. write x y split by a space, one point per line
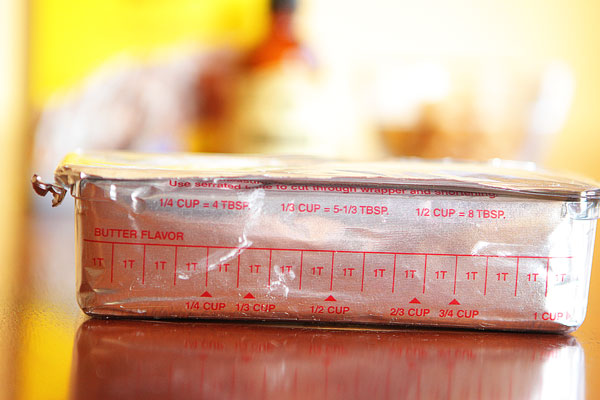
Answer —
150 360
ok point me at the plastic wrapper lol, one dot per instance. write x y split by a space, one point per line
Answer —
396 242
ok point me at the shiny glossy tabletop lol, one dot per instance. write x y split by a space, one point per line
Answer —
51 350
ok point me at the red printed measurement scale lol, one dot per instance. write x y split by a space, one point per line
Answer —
322 270
286 248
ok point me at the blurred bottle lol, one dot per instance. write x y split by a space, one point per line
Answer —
281 45
276 108
277 99
275 104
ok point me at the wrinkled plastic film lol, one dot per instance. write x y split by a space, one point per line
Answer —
356 252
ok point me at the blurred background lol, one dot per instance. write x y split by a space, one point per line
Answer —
351 79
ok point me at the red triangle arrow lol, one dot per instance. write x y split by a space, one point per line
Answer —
454 303
205 294
249 296
415 301
330 298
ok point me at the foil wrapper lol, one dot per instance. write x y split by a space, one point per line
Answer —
410 243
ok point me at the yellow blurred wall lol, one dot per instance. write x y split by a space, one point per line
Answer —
12 157
70 39
13 137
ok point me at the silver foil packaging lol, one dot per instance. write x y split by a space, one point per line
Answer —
410 243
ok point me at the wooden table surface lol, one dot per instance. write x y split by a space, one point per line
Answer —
51 350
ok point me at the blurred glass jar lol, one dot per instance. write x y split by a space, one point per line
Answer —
471 110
